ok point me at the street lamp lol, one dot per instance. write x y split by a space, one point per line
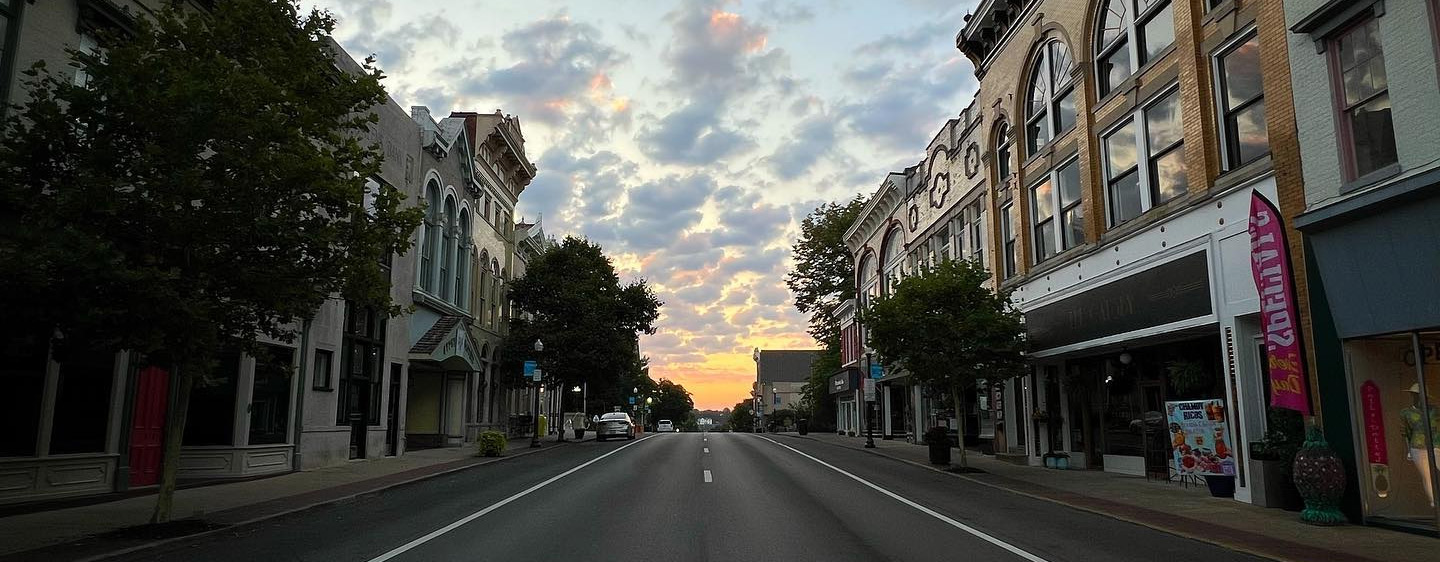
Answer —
535 437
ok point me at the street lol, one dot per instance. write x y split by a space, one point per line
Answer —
693 496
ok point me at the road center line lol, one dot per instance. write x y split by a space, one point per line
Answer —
897 497
708 478
497 505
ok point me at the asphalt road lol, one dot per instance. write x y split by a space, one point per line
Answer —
719 496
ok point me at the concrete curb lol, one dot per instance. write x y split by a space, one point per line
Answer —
1097 511
328 501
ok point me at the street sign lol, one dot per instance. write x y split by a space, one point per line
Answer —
632 399
876 371
529 368
536 376
869 390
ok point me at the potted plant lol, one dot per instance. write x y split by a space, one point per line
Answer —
938 440
1057 459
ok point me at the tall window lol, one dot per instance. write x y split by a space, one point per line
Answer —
1002 153
942 244
484 285
1007 233
1058 218
892 260
462 260
1367 135
866 282
1051 110
447 256
9 27
494 293
975 215
1241 96
1130 31
431 241
1135 183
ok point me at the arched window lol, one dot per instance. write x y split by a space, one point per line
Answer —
462 260
484 285
892 260
1130 33
495 293
431 236
447 255
1003 153
1051 110
866 281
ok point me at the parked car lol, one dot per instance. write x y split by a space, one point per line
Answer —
614 424
664 426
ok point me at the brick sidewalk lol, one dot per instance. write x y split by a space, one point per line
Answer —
84 531
1189 512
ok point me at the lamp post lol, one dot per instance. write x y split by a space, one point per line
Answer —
535 436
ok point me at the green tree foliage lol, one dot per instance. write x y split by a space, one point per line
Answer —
586 318
672 402
205 186
742 417
947 329
823 277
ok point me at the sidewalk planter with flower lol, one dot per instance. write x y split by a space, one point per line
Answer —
938 440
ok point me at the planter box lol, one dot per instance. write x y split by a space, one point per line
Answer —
939 454
1268 487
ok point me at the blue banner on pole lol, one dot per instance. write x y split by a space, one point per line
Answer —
876 371
632 399
529 368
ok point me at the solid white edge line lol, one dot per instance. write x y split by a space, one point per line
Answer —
497 505
897 497
708 478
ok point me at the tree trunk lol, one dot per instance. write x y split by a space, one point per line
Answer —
959 421
170 454
561 422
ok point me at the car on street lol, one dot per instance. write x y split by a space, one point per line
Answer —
614 424
664 426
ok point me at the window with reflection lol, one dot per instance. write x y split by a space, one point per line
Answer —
1057 217
1051 107
447 255
892 258
431 236
1367 135
1241 96
1007 234
1002 152
1145 159
1130 34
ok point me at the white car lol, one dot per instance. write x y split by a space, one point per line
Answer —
614 424
664 426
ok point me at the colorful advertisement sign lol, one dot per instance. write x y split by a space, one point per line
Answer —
1198 436
1279 315
1373 412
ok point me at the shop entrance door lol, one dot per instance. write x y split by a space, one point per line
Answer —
147 429
359 396
392 413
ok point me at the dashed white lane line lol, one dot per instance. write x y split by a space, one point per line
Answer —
708 478
497 505
922 509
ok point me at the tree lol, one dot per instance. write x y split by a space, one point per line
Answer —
947 329
824 277
742 417
587 320
672 402
202 187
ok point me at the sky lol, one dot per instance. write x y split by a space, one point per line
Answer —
688 138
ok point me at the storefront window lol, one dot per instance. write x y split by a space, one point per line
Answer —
1398 442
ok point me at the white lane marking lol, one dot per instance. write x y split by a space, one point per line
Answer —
497 505
707 449
708 478
897 497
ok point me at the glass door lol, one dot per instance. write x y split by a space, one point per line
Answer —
1395 389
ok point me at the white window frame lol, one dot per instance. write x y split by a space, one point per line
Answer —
1009 258
1129 35
1142 152
1058 204
1050 113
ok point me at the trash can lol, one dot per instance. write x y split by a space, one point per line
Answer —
803 426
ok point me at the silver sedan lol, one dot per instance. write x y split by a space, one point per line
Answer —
614 424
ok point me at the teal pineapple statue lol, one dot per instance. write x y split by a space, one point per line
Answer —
1320 477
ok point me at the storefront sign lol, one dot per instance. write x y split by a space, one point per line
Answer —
1170 292
1197 437
1270 264
844 381
1373 412
869 389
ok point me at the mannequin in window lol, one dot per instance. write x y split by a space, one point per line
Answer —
1412 427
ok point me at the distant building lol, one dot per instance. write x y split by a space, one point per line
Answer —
780 374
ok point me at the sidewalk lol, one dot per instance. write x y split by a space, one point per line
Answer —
221 505
1189 512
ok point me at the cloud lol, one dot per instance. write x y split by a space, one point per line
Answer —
692 135
813 139
786 12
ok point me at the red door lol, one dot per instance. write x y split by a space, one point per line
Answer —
147 433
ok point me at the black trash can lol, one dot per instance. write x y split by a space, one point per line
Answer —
803 426
938 440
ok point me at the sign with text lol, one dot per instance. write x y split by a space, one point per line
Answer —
876 371
1279 317
869 390
1373 412
1169 292
1197 437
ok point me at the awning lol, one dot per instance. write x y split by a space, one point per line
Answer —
448 343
